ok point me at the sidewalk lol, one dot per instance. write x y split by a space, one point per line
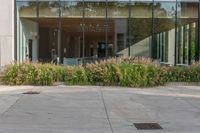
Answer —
93 109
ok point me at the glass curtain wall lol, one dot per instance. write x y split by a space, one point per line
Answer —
49 41
118 27
26 26
72 43
68 31
187 32
140 26
95 29
164 31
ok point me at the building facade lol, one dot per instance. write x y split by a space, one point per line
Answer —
77 31
7 34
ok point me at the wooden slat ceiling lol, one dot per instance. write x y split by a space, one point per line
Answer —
74 24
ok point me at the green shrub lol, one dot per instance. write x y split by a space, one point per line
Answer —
153 76
32 74
162 77
95 73
76 76
137 75
59 72
181 74
9 75
193 74
103 73
112 77
18 74
133 72
44 75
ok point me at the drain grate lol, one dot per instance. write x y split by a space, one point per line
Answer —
147 126
31 92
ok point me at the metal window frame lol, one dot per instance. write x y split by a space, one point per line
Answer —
198 35
197 55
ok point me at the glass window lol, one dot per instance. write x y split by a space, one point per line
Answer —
72 32
95 9
72 9
49 9
26 30
164 32
118 19
49 31
140 28
95 24
187 46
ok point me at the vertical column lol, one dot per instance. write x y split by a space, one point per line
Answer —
59 35
171 48
157 40
129 31
153 30
179 44
106 26
175 48
37 27
160 46
198 35
189 45
17 36
24 44
184 44
15 32
83 30
21 40
163 48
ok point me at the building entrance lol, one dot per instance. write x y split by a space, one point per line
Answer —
78 31
75 41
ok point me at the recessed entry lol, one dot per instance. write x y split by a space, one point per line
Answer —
147 126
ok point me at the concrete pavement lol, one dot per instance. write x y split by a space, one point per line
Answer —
93 109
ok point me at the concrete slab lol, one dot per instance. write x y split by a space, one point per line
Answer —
93 109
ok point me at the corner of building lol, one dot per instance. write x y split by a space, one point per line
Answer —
6 32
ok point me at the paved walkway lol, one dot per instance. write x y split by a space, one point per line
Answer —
92 109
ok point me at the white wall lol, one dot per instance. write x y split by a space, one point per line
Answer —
171 48
6 32
141 48
29 32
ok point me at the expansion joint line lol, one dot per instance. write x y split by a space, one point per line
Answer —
104 103
10 106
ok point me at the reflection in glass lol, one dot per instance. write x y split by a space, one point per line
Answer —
49 48
187 18
71 9
118 14
164 32
72 32
95 30
140 28
95 9
49 9
26 31
76 29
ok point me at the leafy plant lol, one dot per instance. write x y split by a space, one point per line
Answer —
76 76
133 72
